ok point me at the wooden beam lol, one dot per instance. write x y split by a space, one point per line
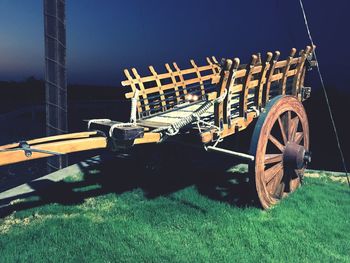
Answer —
199 76
230 91
159 85
238 124
283 82
52 138
133 88
262 81
143 93
63 147
266 97
174 82
299 68
224 81
244 95
149 137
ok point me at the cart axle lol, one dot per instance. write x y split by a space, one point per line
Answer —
240 155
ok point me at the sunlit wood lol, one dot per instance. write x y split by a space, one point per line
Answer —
63 147
276 142
293 126
273 184
273 158
273 171
298 137
283 130
53 138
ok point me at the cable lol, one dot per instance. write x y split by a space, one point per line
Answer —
325 94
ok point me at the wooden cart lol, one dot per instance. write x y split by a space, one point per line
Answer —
206 104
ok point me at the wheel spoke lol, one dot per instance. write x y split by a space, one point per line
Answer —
287 121
273 171
283 130
273 158
279 145
293 126
279 190
298 137
275 181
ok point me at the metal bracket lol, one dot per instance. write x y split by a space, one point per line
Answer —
309 63
23 145
28 151
305 92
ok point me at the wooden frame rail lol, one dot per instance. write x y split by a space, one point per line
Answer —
162 91
253 86
249 87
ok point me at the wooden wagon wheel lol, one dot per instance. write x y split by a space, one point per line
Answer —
280 144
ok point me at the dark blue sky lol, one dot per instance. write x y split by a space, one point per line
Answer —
104 37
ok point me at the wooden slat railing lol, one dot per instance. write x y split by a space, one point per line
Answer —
162 91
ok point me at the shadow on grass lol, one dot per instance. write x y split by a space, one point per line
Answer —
157 172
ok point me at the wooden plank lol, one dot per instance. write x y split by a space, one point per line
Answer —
238 124
183 84
215 60
148 138
283 81
151 124
198 76
193 70
64 147
241 73
145 79
295 60
174 82
291 72
142 89
262 81
159 85
299 68
253 83
281 64
214 67
302 78
167 118
277 76
245 91
266 97
219 107
230 91
215 79
148 78
257 69
133 88
52 138
237 88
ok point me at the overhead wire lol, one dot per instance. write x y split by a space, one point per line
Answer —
325 95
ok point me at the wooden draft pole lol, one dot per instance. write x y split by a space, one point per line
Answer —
55 74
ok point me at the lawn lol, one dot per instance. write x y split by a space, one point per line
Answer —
91 223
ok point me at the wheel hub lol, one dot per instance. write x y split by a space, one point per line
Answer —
295 156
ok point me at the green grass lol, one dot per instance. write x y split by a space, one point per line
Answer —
185 226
